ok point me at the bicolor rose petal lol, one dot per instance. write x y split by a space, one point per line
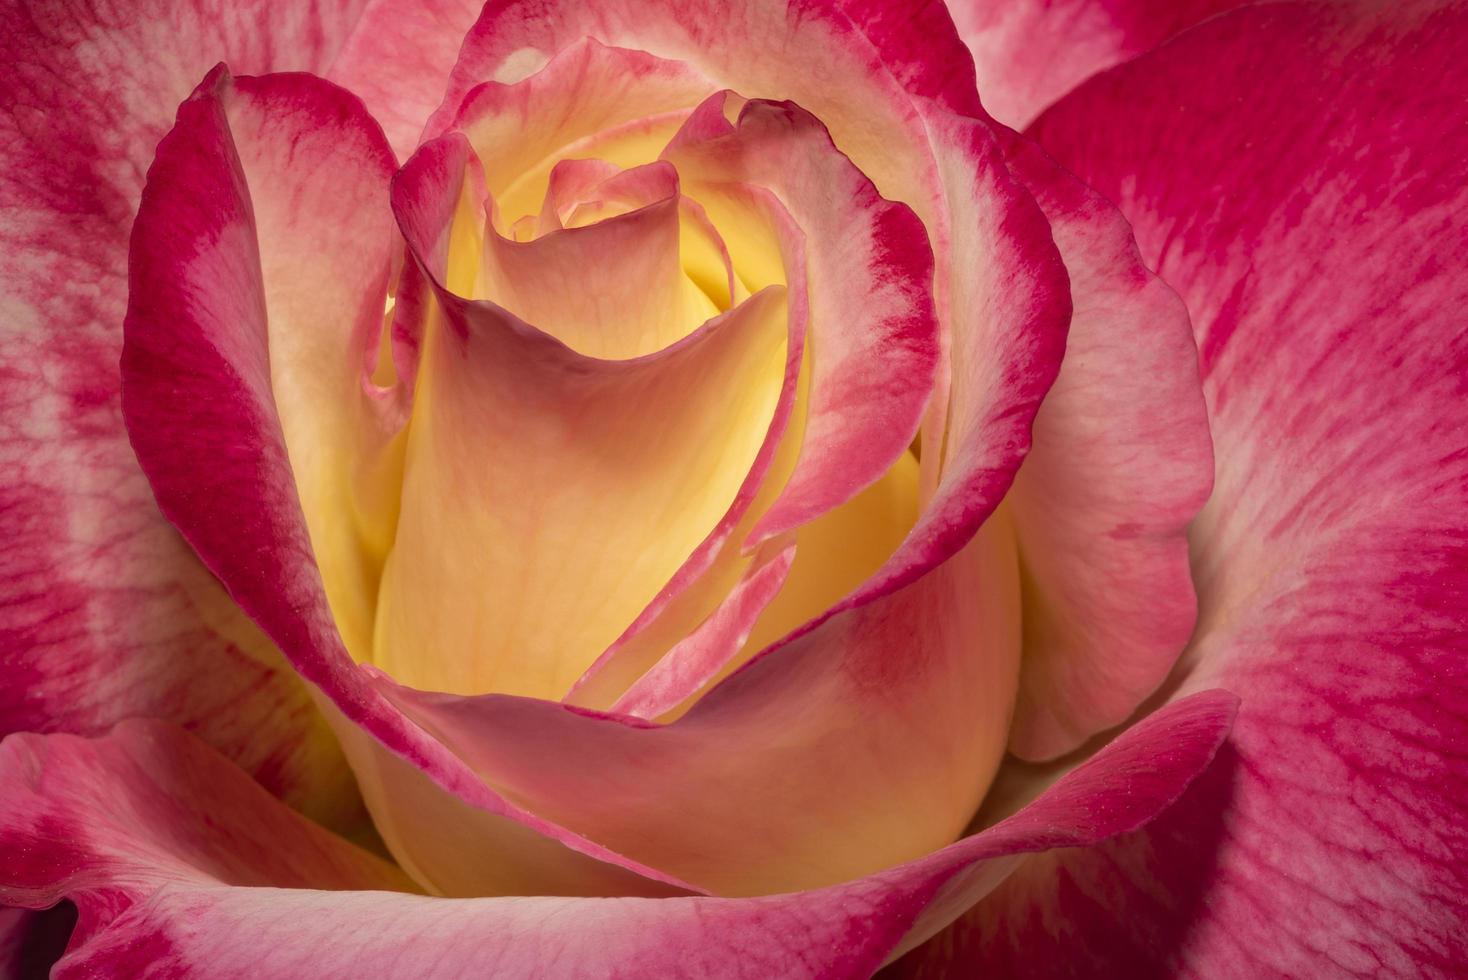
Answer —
1319 269
149 832
106 614
1029 53
199 337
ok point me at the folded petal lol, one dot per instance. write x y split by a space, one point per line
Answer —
1330 560
711 647
762 50
107 614
178 862
612 285
1030 53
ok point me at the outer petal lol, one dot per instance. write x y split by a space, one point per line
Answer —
1323 269
106 614
1122 463
180 864
1029 53
398 61
1121 460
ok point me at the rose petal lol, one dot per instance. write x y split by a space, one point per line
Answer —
204 423
398 58
709 649
816 59
1122 462
107 614
1088 516
190 868
862 742
1331 558
1029 53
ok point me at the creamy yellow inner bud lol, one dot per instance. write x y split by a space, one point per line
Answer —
519 524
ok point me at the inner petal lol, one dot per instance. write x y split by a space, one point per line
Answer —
614 287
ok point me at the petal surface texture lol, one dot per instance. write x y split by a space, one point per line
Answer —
1029 53
1323 272
105 612
179 863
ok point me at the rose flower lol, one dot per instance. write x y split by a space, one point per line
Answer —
645 488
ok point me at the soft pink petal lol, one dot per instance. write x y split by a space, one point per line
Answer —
1029 53
1323 271
1122 462
398 60
181 865
106 613
204 423
811 55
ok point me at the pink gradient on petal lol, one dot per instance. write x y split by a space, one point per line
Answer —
1121 465
695 660
107 613
1331 559
190 867
869 282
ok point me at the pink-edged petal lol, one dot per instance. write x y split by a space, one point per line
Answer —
1122 457
106 613
209 876
1319 267
93 820
874 333
1029 53
696 659
1121 464
204 423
